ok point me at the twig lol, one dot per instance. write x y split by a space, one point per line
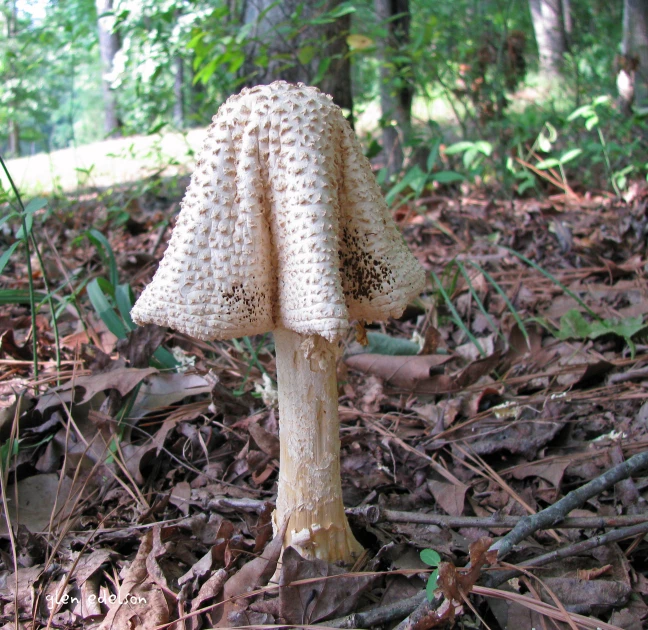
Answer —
495 579
374 514
633 375
551 516
380 615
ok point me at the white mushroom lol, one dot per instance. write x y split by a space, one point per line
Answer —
283 228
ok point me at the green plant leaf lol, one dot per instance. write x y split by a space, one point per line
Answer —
36 204
431 585
447 177
305 54
4 259
393 346
430 557
322 68
459 147
415 178
104 309
570 155
125 299
106 252
20 296
548 163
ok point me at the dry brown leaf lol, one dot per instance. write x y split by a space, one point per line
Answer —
592 574
551 470
140 603
123 379
449 496
140 344
251 576
406 372
318 599
38 497
265 440
210 590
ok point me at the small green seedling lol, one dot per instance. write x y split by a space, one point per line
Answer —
432 559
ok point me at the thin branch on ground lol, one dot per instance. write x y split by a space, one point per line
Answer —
551 516
379 615
374 514
493 580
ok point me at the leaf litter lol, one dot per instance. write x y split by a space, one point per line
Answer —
140 494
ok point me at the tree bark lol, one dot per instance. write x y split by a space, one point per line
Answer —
549 29
14 127
395 94
108 46
288 55
310 489
632 79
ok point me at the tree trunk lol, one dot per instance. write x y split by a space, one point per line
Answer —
395 94
548 25
14 128
108 47
14 139
178 94
302 57
632 79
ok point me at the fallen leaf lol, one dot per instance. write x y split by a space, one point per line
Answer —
163 390
209 591
251 576
318 599
39 496
123 379
407 372
449 496
592 574
139 602
265 440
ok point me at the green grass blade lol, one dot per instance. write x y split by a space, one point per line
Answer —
106 252
553 279
125 300
22 296
455 315
4 259
477 299
104 309
511 308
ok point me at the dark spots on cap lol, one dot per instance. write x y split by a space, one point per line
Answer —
243 302
365 275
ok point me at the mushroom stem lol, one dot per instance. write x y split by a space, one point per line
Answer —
310 488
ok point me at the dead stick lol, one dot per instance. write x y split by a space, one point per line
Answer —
548 518
379 615
551 516
495 579
374 514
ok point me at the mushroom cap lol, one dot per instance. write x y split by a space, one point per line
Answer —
282 225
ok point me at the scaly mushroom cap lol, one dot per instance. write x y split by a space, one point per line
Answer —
282 225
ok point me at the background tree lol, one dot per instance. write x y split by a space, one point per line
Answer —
549 29
108 46
301 42
632 79
396 89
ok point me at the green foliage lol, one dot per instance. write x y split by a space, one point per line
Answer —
432 559
574 326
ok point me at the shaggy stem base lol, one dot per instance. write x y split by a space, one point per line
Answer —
310 490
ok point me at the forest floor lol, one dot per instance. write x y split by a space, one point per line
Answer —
527 379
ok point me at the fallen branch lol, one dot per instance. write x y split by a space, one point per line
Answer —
373 514
379 615
554 514
495 579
